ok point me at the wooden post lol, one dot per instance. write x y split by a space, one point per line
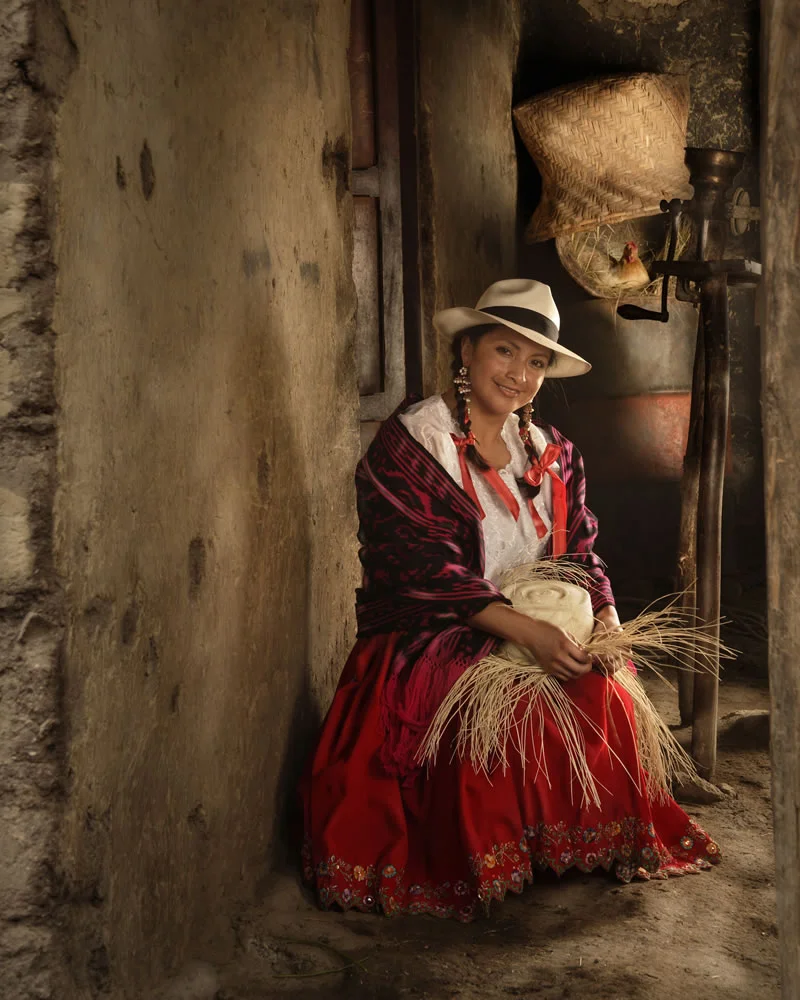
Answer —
714 322
690 497
780 211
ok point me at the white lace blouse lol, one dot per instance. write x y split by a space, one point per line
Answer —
507 543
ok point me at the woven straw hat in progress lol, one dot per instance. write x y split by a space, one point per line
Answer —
608 150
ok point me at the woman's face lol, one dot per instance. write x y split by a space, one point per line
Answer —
505 368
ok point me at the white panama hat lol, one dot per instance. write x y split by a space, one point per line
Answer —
523 305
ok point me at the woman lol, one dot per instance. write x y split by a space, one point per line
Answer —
455 491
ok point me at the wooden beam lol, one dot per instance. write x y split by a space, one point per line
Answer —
780 204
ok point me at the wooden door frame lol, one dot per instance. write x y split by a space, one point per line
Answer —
780 210
391 180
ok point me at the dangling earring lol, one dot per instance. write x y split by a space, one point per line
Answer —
462 382
463 386
525 415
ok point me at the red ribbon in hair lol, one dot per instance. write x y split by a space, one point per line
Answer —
535 474
462 443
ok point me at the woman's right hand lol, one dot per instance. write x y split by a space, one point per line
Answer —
555 652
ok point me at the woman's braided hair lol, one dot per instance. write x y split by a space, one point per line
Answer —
474 334
524 413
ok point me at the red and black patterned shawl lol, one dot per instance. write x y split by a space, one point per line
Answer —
423 563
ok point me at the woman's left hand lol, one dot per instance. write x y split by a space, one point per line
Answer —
607 621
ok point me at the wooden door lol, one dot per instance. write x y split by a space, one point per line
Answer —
383 183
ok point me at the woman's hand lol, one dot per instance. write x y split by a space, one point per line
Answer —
555 651
552 648
607 621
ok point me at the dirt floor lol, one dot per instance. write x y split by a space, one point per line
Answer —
704 936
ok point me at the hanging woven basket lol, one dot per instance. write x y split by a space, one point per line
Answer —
608 150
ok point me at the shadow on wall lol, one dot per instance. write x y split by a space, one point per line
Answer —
277 609
304 724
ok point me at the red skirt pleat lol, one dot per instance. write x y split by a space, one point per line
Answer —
453 839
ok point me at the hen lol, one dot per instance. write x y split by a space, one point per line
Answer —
629 272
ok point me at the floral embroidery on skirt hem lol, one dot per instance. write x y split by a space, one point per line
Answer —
630 847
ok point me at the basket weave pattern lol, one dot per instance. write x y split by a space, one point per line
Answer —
608 150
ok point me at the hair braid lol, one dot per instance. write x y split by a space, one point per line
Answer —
524 414
462 417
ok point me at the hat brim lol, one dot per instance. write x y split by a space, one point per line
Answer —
450 322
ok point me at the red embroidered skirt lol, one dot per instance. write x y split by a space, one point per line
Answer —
453 840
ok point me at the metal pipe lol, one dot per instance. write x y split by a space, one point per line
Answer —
690 498
714 322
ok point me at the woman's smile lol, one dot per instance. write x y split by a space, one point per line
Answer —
508 390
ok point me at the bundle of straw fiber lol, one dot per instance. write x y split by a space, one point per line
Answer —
498 702
608 150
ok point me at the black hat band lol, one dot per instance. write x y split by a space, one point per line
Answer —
531 320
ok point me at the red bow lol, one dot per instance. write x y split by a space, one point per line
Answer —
535 474
464 442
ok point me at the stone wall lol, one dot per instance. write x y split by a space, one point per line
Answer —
36 58
468 169
207 439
